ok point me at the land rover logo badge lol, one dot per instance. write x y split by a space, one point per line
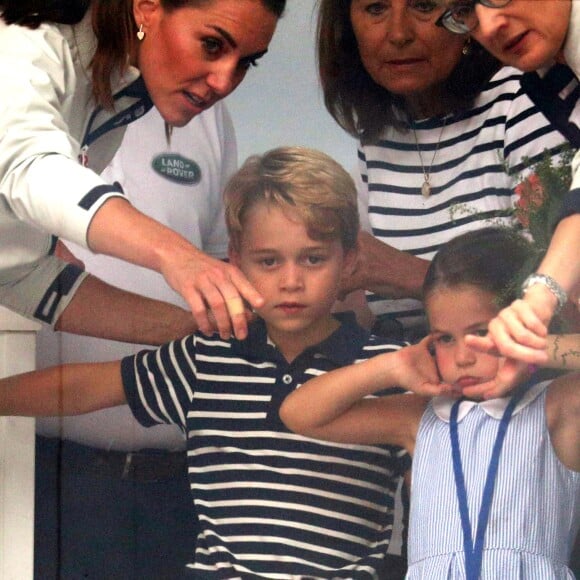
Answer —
177 168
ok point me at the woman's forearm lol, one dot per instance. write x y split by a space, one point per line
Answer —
563 351
104 311
386 271
561 261
209 286
118 229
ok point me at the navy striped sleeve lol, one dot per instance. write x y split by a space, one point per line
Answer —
159 383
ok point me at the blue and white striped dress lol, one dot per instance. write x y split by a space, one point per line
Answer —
536 506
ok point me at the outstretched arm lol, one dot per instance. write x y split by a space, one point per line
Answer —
335 406
63 390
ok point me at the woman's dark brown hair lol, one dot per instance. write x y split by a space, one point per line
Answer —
113 24
358 104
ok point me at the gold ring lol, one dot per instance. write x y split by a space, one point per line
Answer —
235 306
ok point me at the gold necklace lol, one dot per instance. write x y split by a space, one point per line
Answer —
426 187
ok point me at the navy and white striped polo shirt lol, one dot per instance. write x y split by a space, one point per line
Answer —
271 504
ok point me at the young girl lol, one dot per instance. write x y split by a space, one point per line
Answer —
495 487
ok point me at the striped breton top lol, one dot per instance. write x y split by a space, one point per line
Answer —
271 504
535 511
477 165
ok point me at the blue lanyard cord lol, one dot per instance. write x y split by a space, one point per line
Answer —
474 554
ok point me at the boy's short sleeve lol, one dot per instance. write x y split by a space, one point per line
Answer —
159 383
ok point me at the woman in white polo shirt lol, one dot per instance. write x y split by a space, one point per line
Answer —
74 74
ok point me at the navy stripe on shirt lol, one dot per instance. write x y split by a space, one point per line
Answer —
270 503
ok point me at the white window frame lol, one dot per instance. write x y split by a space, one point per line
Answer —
17 355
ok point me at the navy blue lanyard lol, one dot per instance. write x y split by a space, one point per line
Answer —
474 553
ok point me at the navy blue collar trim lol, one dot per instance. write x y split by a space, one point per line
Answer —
343 346
143 103
545 93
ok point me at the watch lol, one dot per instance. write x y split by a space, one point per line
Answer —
550 284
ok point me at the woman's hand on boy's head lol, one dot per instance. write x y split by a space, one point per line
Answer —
217 293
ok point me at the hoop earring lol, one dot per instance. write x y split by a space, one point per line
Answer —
466 50
140 33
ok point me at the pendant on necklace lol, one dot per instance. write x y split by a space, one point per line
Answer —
425 189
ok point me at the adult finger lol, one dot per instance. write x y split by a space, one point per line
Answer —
199 310
215 298
509 340
521 324
245 289
239 316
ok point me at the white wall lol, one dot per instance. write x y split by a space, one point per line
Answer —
280 102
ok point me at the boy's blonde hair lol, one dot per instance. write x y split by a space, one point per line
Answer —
304 180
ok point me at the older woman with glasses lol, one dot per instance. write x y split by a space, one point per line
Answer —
443 140
542 36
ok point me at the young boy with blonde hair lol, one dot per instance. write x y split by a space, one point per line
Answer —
271 504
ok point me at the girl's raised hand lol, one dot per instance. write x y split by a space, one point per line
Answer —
510 374
418 371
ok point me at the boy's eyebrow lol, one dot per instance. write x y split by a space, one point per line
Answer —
263 251
266 250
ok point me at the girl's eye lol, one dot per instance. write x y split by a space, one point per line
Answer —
314 260
480 332
444 339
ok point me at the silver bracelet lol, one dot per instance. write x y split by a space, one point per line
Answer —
550 284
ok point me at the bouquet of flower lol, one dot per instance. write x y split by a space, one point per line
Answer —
538 207
540 197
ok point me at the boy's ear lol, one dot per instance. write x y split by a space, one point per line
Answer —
233 255
350 258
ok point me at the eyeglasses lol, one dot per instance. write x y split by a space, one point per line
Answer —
460 18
